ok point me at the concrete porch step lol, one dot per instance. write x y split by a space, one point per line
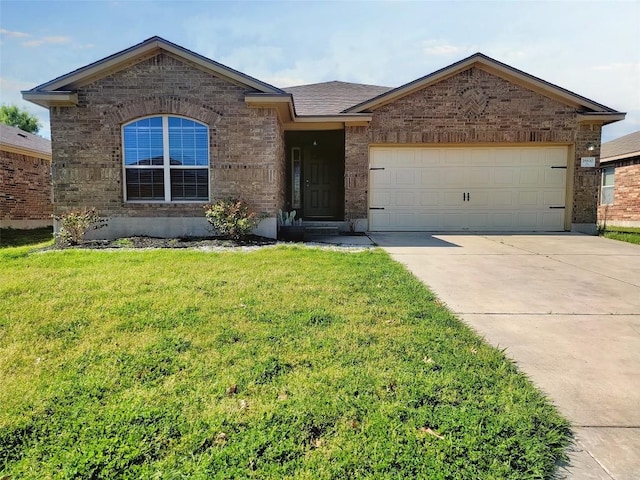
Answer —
318 231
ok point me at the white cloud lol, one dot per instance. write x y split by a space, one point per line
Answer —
630 67
442 48
56 40
13 34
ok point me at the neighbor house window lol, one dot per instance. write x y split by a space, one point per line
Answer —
166 159
606 195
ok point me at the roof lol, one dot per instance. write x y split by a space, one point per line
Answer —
331 98
60 90
621 148
320 102
500 69
18 141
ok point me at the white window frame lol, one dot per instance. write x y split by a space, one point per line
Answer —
607 187
166 163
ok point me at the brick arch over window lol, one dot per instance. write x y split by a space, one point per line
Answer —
169 105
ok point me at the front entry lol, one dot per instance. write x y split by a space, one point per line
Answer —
316 161
320 191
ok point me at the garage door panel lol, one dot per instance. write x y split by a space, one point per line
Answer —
555 176
503 198
429 176
380 199
454 221
429 199
381 178
468 189
405 176
551 218
478 199
503 176
552 198
429 221
527 220
453 199
405 199
529 175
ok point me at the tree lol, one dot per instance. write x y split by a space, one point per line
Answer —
16 117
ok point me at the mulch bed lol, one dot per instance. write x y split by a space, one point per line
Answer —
189 242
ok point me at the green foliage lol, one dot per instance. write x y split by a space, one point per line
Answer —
287 219
232 217
623 234
75 225
20 118
190 364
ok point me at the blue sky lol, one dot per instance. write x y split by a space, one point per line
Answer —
591 48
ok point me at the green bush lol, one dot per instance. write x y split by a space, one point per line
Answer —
75 225
232 217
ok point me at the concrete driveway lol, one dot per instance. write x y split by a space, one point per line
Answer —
567 309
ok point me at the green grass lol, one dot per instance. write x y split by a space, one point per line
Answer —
625 234
285 362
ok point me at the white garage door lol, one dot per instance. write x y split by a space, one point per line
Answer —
467 189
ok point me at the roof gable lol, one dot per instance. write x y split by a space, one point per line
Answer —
60 90
495 67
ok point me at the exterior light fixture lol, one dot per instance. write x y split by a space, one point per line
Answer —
590 147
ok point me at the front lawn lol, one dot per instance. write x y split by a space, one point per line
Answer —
284 362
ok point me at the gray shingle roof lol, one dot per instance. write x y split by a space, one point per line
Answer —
331 98
17 138
627 146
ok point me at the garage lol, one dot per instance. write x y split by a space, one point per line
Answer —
467 188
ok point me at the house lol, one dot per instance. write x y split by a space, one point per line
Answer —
25 179
620 182
150 134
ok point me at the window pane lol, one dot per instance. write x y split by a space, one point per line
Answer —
188 142
145 184
143 142
607 196
189 184
608 175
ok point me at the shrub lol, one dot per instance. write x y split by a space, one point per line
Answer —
232 217
75 225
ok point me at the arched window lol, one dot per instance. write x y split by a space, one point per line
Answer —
166 159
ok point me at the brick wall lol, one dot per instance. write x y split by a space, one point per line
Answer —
625 210
246 144
25 191
471 107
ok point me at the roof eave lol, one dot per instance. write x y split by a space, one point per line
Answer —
601 117
622 156
29 152
51 99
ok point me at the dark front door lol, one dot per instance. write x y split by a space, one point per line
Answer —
321 194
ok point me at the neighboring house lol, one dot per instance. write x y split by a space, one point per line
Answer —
620 185
25 179
152 133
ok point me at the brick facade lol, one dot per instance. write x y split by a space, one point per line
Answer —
25 191
625 210
246 144
472 107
